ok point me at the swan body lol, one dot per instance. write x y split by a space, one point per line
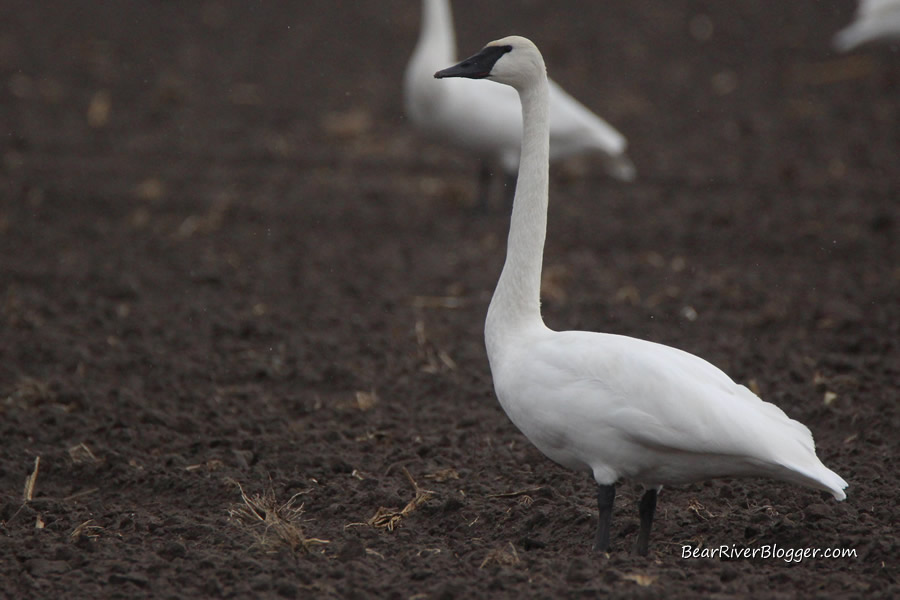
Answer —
615 406
876 20
486 120
624 408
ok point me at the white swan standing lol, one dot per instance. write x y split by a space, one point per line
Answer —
619 407
876 20
487 122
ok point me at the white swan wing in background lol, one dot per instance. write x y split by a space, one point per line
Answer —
875 20
487 123
626 408
487 120
576 130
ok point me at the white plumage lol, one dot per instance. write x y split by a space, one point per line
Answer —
625 408
875 21
618 407
486 120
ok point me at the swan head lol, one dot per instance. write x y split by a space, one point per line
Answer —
512 60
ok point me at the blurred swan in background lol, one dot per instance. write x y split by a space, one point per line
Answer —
618 407
486 120
876 21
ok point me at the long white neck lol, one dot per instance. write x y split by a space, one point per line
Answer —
516 304
423 95
437 39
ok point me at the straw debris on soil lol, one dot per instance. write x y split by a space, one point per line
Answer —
271 522
701 511
435 359
641 579
80 453
366 401
31 391
87 530
31 480
442 475
517 493
389 518
501 556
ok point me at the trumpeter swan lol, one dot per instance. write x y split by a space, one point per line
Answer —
876 20
616 406
486 121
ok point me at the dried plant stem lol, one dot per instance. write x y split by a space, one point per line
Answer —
31 480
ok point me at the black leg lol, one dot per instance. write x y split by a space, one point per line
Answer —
647 509
484 188
606 496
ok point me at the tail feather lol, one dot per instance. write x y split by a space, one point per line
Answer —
620 167
794 450
849 38
817 477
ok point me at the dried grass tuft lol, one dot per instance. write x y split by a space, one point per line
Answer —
86 530
80 453
389 518
501 556
699 510
273 523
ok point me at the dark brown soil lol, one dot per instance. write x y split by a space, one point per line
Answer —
226 260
